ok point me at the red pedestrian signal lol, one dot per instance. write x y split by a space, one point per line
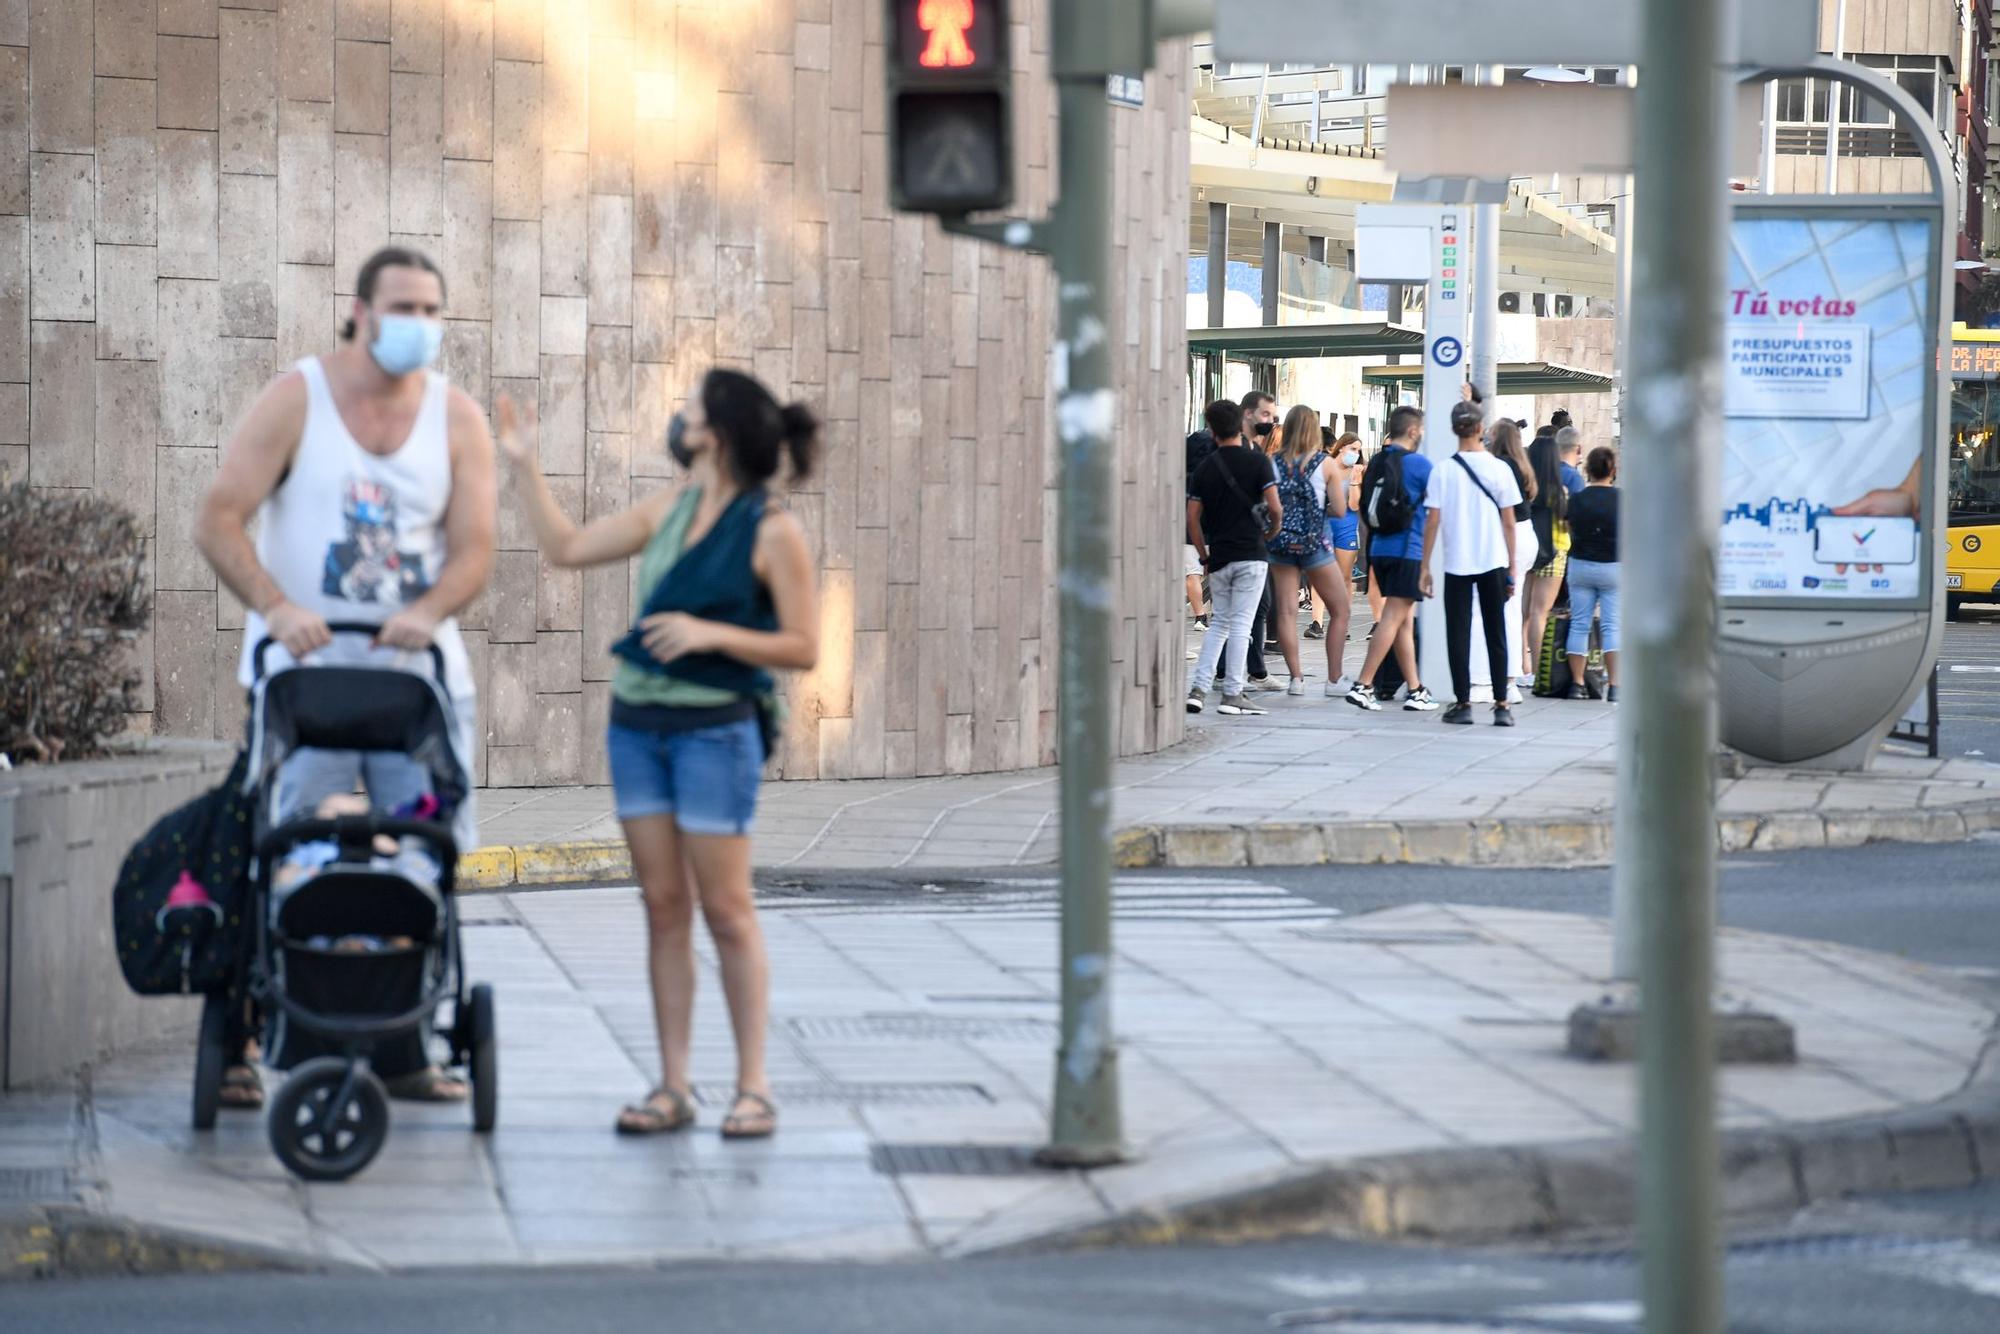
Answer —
950 118
948 36
947 22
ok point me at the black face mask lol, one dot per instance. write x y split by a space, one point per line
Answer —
1262 429
677 440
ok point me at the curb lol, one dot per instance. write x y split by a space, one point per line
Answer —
1514 1194
1543 843
1512 843
67 1241
504 866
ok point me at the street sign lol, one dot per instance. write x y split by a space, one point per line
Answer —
1524 127
1486 32
1125 90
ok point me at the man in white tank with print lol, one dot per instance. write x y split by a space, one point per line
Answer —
373 484
374 487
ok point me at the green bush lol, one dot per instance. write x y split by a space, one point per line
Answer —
73 598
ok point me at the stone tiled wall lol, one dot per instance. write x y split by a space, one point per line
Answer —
1587 343
622 192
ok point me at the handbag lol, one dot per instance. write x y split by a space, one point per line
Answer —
177 905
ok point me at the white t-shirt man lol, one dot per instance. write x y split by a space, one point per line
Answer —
1469 519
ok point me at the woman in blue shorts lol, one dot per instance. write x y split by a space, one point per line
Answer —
1343 534
729 596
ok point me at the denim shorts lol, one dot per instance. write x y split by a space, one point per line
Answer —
1312 560
706 779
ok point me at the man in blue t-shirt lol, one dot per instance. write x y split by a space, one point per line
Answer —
1395 567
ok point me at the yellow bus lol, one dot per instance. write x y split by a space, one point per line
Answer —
1972 550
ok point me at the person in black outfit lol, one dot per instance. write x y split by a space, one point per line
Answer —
1260 427
1222 526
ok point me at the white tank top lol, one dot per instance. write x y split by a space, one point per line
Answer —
355 536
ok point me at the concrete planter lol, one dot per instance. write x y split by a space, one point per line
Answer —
63 831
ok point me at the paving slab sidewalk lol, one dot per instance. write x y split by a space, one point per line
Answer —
1284 1068
1315 781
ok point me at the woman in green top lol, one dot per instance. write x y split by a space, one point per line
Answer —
728 594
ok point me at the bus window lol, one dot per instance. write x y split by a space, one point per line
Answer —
1973 482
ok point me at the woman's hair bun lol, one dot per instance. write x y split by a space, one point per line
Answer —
801 431
798 422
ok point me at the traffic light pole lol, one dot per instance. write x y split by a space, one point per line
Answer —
1667 726
1087 1127
1090 41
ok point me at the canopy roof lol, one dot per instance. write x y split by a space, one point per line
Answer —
1516 377
1277 342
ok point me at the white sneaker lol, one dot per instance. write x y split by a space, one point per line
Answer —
1194 655
1363 697
1297 688
1513 694
1261 685
1420 701
1337 689
1196 700
1241 705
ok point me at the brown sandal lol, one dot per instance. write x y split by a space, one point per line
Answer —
649 1118
242 1088
761 1123
428 1085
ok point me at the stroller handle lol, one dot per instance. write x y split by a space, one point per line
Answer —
265 644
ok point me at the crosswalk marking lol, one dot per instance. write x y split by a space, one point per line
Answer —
1135 899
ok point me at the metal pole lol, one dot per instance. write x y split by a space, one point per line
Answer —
1627 926
1273 256
1833 94
1485 304
1218 262
1087 1128
1767 169
1667 727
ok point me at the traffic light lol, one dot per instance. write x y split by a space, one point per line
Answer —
950 124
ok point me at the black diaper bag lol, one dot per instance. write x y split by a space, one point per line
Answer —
189 942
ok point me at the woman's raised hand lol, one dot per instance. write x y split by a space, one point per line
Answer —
514 427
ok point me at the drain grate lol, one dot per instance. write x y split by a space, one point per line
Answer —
857 1095
953 1160
36 1184
921 1028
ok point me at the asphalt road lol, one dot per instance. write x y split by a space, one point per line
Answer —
1834 1281
1969 685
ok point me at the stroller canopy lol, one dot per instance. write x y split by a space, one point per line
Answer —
362 708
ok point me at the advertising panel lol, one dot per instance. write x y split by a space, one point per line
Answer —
1829 371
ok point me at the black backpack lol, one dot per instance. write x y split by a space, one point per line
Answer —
188 947
1385 502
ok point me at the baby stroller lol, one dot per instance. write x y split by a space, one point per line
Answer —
354 924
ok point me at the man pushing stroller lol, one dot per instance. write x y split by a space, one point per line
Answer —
372 482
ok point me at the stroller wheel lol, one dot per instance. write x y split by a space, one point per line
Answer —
211 1054
482 1042
319 1140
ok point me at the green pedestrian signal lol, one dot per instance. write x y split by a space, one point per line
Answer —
950 116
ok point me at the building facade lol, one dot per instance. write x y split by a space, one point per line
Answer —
1937 51
621 193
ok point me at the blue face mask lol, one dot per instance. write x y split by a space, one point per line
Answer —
405 343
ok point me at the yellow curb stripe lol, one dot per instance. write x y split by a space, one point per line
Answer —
506 865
